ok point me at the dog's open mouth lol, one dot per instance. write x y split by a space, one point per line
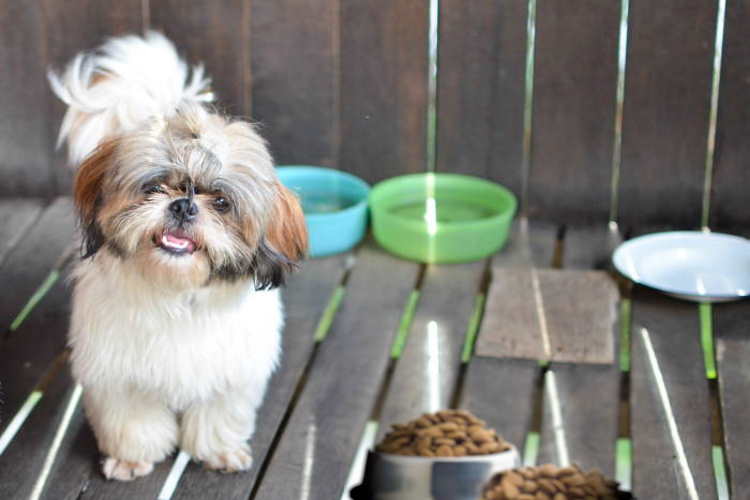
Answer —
176 242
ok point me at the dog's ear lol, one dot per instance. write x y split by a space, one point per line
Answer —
284 244
87 193
287 232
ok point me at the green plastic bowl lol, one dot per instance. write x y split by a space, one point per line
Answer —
439 218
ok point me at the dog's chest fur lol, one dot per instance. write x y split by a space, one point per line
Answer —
182 347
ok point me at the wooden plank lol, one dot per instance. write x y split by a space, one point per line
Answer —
511 327
305 298
25 138
575 80
579 309
21 463
480 93
728 208
586 396
732 352
216 34
16 217
74 26
30 261
30 356
587 399
590 247
665 122
500 391
511 269
319 443
427 371
78 463
295 78
383 88
673 329
542 242
26 355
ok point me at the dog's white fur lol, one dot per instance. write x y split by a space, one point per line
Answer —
151 81
144 356
164 361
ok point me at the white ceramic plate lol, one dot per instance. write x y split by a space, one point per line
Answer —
691 265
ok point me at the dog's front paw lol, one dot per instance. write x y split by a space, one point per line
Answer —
235 460
123 470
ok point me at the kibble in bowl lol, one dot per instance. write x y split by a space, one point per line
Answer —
548 482
448 433
447 455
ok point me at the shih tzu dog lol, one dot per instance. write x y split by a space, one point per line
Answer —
187 233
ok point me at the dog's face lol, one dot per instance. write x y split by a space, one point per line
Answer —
191 199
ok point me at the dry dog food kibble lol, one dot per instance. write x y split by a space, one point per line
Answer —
448 433
548 482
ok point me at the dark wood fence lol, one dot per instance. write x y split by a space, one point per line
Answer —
344 83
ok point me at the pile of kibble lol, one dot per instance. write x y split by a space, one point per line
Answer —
548 482
448 433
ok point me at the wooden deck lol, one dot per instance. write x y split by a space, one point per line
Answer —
371 340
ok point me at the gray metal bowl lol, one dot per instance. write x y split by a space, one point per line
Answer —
398 477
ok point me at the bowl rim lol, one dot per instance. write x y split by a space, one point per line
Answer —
410 459
380 208
350 210
662 237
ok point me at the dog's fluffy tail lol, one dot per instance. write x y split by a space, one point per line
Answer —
115 88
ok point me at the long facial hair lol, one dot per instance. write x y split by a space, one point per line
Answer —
190 200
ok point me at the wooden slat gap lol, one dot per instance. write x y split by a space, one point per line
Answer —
298 390
475 323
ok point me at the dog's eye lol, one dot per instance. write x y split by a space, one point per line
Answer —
152 189
221 204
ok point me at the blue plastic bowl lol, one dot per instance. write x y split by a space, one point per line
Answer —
335 206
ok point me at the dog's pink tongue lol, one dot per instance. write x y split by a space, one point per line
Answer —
177 242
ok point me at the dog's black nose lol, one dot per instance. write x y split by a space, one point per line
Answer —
183 209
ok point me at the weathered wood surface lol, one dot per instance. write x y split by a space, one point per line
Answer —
500 391
71 27
550 315
427 371
21 463
27 265
25 136
511 326
325 427
529 244
581 311
673 327
588 402
295 50
728 203
27 354
305 298
731 324
216 34
575 75
587 395
590 247
480 93
665 121
16 218
30 356
383 93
